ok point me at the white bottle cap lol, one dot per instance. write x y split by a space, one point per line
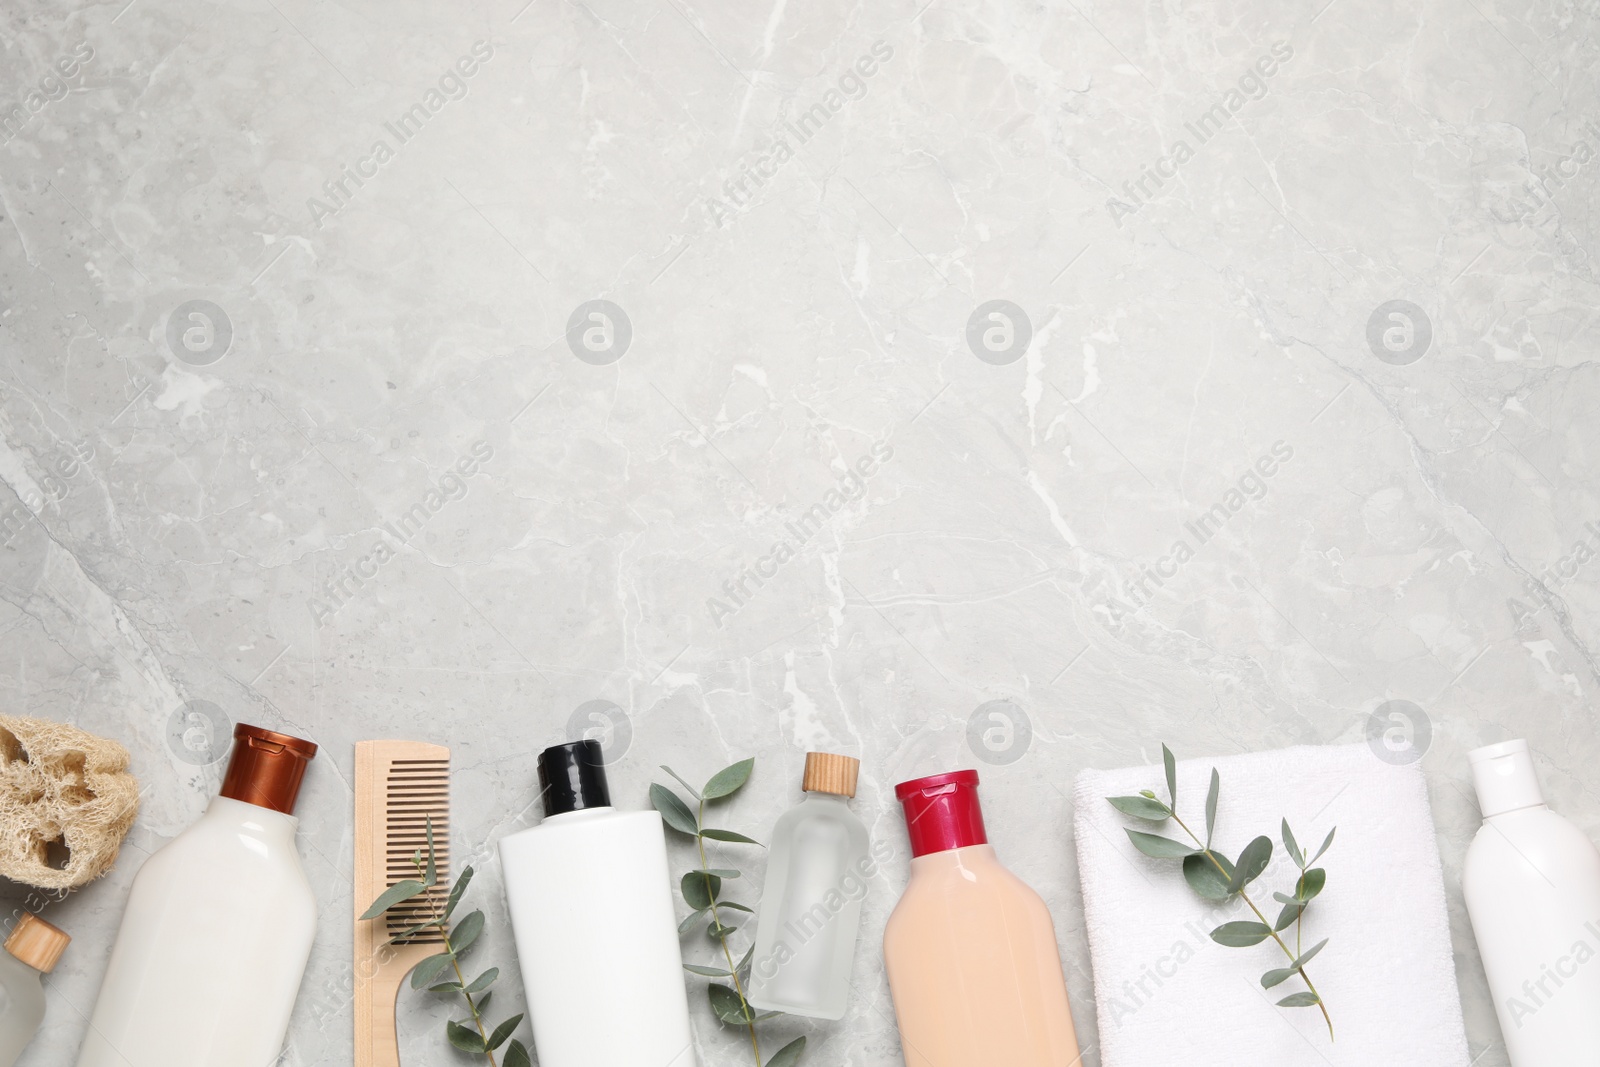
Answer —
1505 777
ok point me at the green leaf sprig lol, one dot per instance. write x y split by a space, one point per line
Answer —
476 1038
1218 879
702 891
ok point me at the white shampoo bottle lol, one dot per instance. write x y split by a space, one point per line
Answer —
218 928
1532 883
590 898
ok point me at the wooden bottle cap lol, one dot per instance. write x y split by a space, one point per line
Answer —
37 943
828 773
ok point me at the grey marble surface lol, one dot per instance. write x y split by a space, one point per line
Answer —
270 269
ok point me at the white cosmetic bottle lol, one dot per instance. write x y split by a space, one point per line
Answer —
811 903
1532 883
217 930
590 898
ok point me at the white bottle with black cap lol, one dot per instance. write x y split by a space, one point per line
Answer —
1532 883
591 907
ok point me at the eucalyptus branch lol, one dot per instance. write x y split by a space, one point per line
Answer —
721 931
1215 878
702 891
456 940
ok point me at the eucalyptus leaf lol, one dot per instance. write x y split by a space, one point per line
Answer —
398 893
692 790
503 1032
716 872
466 932
1161 848
410 932
727 1005
1251 862
1300 1000
1284 898
430 875
1326 842
735 905
744 961
445 987
463 1038
718 931
483 1001
458 890
1147 793
707 972
516 1056
692 918
674 812
1204 878
429 969
1141 808
788 1055
1241 934
699 890
728 835
728 781
1286 918
1305 957
1292 846
1171 764
1277 977
1309 884
484 980
1211 804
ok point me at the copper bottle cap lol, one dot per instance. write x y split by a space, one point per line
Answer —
37 943
266 768
828 773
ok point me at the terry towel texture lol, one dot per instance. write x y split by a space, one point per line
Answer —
1166 994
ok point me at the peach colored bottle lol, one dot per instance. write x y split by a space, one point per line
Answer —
970 950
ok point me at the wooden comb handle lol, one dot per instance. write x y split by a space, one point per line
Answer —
377 1039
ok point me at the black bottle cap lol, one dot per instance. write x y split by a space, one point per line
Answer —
573 777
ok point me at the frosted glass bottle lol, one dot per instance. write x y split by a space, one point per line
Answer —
970 950
811 903
218 928
590 898
1532 883
30 953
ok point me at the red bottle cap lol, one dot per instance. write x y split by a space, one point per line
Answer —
266 768
942 812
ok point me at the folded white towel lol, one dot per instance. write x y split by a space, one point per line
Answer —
1167 994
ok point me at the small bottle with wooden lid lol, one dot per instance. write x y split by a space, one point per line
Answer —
31 953
818 869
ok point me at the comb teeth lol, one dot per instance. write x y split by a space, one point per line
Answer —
415 791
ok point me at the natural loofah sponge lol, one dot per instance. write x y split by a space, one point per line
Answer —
58 783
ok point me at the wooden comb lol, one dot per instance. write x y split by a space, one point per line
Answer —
400 786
